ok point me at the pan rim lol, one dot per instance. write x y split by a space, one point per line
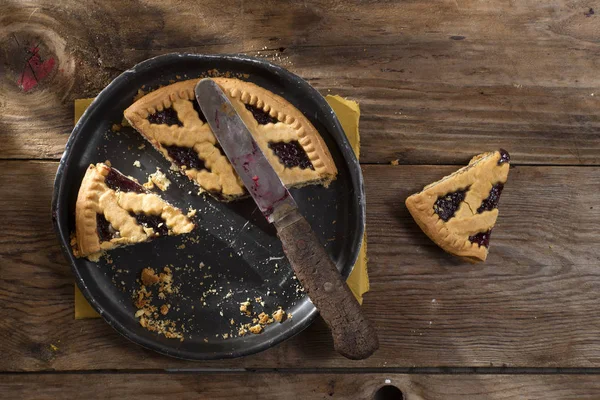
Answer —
63 232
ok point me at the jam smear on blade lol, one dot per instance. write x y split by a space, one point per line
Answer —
167 116
291 154
446 206
492 200
186 156
481 238
261 116
119 182
152 221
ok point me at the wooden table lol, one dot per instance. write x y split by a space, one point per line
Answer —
438 81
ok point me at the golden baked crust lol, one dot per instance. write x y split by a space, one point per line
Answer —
117 206
219 178
477 179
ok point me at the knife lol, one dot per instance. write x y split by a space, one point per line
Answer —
353 335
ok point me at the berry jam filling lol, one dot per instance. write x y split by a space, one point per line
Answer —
185 156
152 221
167 116
492 201
291 154
261 116
446 206
117 181
198 110
105 230
482 238
504 157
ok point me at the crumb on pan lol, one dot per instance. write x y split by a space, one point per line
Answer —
147 312
246 307
279 315
158 179
256 329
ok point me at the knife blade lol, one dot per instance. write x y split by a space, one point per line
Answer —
353 335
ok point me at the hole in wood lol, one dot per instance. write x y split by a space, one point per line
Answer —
388 392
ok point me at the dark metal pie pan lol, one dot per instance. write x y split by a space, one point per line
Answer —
238 248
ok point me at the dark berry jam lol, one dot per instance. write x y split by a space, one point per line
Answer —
482 238
167 116
152 221
504 157
291 154
492 200
105 230
261 116
446 206
117 181
185 156
198 110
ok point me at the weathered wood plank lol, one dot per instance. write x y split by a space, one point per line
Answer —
532 304
298 386
431 77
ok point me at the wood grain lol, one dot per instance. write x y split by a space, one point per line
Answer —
298 386
437 81
532 304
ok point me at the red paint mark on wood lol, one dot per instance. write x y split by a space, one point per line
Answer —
35 70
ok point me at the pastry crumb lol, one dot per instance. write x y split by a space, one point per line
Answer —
116 127
137 163
263 318
256 329
149 277
158 179
279 315
148 313
246 307
142 146
395 162
191 212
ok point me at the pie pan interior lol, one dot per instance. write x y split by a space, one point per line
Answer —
234 240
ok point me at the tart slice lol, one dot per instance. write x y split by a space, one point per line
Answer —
171 120
113 210
459 211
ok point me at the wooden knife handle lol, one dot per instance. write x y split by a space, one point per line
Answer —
353 335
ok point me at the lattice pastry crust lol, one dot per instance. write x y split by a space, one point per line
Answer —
281 126
476 188
98 203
